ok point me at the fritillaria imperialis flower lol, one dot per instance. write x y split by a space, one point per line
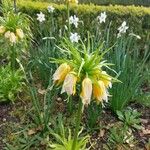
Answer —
69 85
86 93
20 33
7 34
13 37
82 74
61 73
100 92
2 29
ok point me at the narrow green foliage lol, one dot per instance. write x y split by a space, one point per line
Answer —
126 56
64 139
93 116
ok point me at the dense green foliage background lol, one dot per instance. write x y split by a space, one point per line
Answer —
137 18
107 2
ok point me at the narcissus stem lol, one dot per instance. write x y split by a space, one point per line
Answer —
68 16
78 121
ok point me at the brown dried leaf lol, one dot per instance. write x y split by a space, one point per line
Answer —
146 131
31 131
144 121
102 132
147 147
42 92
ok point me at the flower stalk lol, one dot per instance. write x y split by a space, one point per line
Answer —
68 15
13 57
78 121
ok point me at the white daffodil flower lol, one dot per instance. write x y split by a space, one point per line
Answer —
41 17
74 20
102 17
74 37
122 29
50 9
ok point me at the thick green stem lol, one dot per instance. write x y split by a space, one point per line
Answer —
13 58
78 121
70 105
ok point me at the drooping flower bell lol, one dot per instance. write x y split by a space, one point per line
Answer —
107 81
100 92
86 93
12 37
20 33
7 34
69 85
2 29
61 73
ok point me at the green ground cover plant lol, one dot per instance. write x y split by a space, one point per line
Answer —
10 83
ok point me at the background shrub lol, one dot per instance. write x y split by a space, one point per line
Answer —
107 2
138 18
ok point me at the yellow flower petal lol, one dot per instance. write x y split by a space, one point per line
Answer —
2 29
107 82
61 73
20 33
7 34
69 85
86 93
12 37
100 92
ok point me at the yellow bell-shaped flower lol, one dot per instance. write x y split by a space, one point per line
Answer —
20 33
107 81
2 29
7 34
86 93
69 84
61 73
12 37
100 92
